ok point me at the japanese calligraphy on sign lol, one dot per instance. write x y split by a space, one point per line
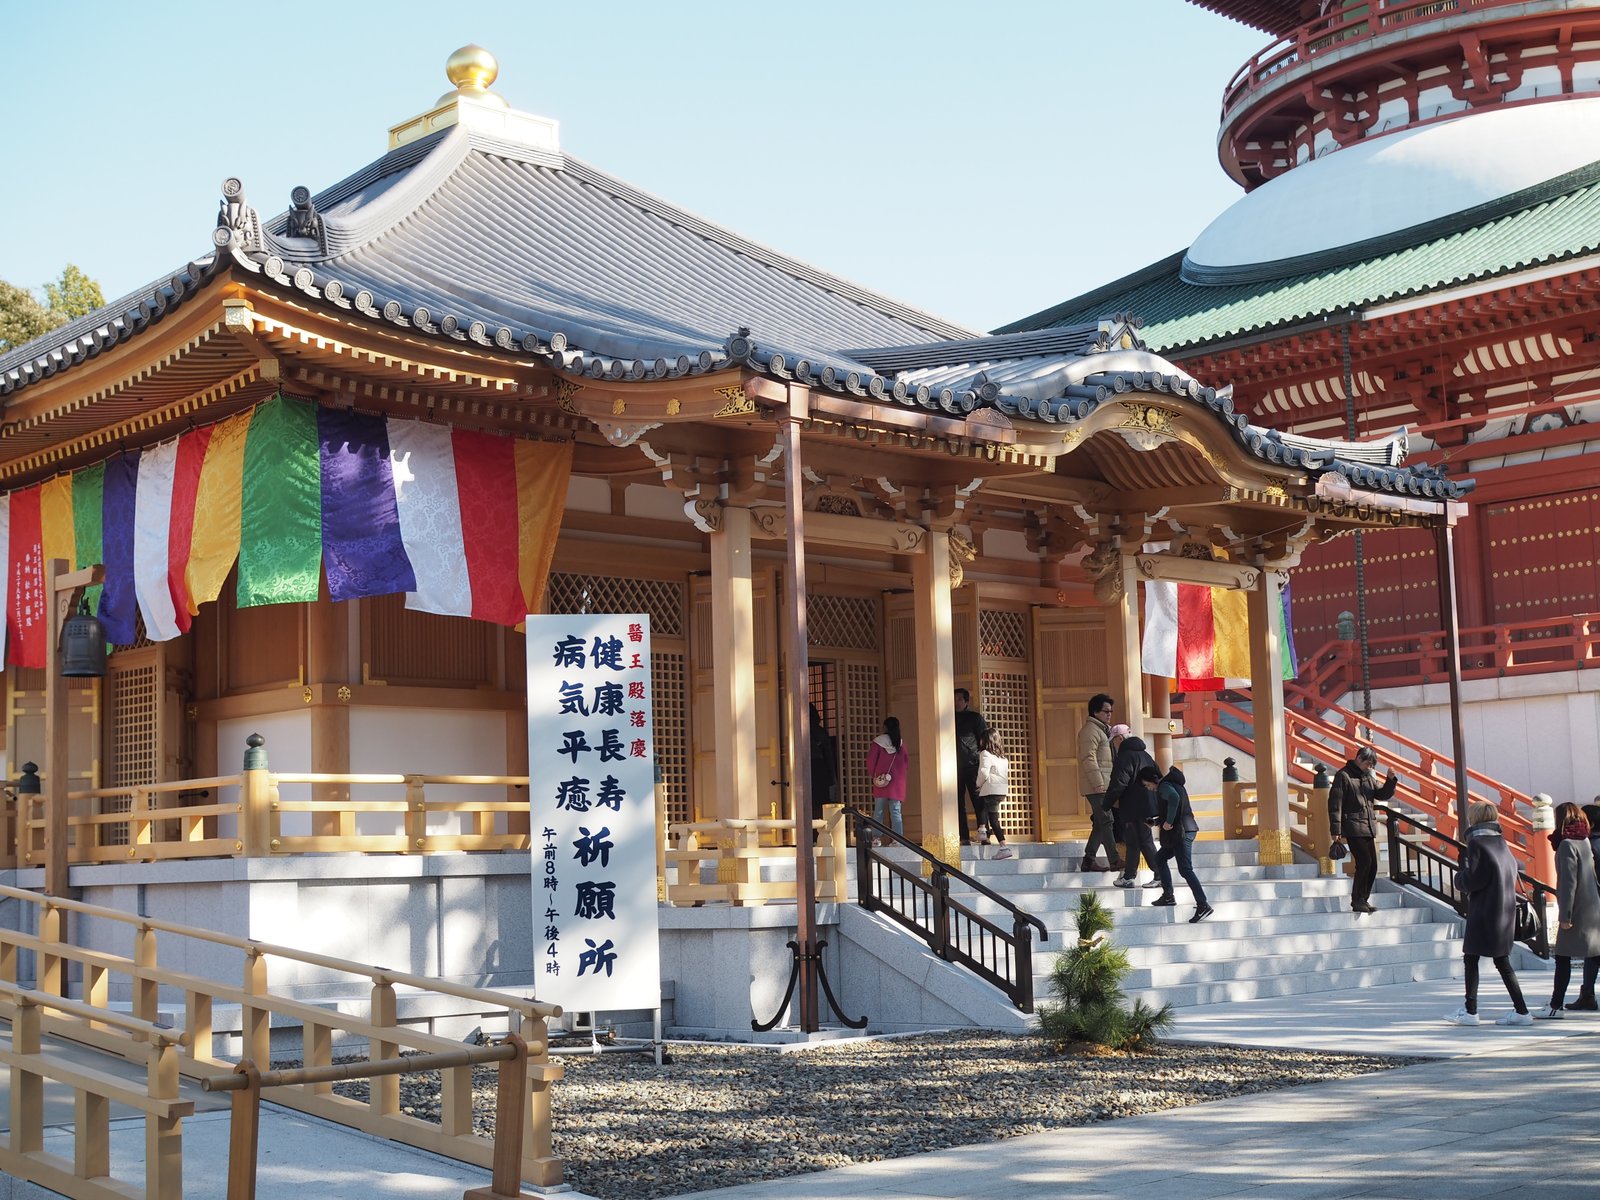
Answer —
591 784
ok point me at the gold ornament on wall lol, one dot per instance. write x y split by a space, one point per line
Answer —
737 403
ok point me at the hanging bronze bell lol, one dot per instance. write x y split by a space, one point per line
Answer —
83 645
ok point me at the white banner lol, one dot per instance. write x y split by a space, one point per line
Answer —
591 785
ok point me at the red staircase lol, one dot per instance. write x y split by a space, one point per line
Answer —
1321 732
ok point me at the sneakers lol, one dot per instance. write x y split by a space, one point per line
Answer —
1461 1017
1153 883
1089 864
1546 1013
1362 909
1167 901
1004 852
1123 881
1201 913
1584 1004
1516 1018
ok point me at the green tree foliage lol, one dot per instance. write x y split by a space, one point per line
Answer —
23 317
1087 984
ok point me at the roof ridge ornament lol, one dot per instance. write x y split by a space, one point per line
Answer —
472 69
303 219
238 223
484 114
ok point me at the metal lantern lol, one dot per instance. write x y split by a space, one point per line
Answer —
83 645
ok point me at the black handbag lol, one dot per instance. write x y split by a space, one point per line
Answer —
1337 851
1527 927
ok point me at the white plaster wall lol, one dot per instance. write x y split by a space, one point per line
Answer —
588 495
425 742
288 749
658 503
1537 733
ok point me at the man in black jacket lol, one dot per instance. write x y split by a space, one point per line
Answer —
1353 821
972 735
1136 808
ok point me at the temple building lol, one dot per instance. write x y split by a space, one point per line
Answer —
1417 249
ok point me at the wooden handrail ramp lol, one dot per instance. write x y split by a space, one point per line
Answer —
137 980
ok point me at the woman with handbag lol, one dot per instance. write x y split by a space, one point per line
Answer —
1488 880
886 763
1577 906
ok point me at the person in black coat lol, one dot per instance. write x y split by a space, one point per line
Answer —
1353 820
1488 880
824 766
1136 809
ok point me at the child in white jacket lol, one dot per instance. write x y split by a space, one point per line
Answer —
993 773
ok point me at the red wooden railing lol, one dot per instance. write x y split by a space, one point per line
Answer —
1570 643
1337 31
1320 732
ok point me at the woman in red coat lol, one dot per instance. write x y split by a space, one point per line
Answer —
886 765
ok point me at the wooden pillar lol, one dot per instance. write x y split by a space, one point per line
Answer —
328 667
1161 720
733 656
935 743
1272 755
1122 654
57 764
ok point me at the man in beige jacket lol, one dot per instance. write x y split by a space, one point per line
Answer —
1094 773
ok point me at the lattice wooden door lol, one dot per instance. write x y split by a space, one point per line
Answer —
1069 660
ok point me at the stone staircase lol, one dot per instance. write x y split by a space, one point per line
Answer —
1277 931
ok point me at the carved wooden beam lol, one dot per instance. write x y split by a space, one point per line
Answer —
834 529
1209 573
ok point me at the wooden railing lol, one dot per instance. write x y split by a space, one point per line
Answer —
1339 30
1308 814
246 1083
1568 643
1320 732
916 894
140 976
734 851
248 815
88 1172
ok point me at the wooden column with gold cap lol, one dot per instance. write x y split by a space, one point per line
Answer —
733 654
936 700
1262 605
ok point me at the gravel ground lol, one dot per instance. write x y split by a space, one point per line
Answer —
719 1115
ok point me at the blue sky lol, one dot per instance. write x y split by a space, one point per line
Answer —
979 161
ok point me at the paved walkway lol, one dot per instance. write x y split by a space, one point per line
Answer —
1515 1113
1503 1113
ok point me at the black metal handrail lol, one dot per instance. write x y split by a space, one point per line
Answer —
954 931
1426 863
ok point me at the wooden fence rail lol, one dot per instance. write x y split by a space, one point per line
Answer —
140 975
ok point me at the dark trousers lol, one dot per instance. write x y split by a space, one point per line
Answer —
1507 977
1179 844
1558 988
966 793
1139 838
1364 854
989 817
1100 833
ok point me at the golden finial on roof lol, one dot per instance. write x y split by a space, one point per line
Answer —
472 69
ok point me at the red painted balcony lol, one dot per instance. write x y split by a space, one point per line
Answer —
1374 68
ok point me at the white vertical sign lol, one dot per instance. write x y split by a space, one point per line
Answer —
591 785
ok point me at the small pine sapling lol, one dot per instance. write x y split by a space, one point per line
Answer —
1087 984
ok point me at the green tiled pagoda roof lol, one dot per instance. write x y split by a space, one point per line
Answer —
1178 316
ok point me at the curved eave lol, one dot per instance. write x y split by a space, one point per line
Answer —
1078 386
90 336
